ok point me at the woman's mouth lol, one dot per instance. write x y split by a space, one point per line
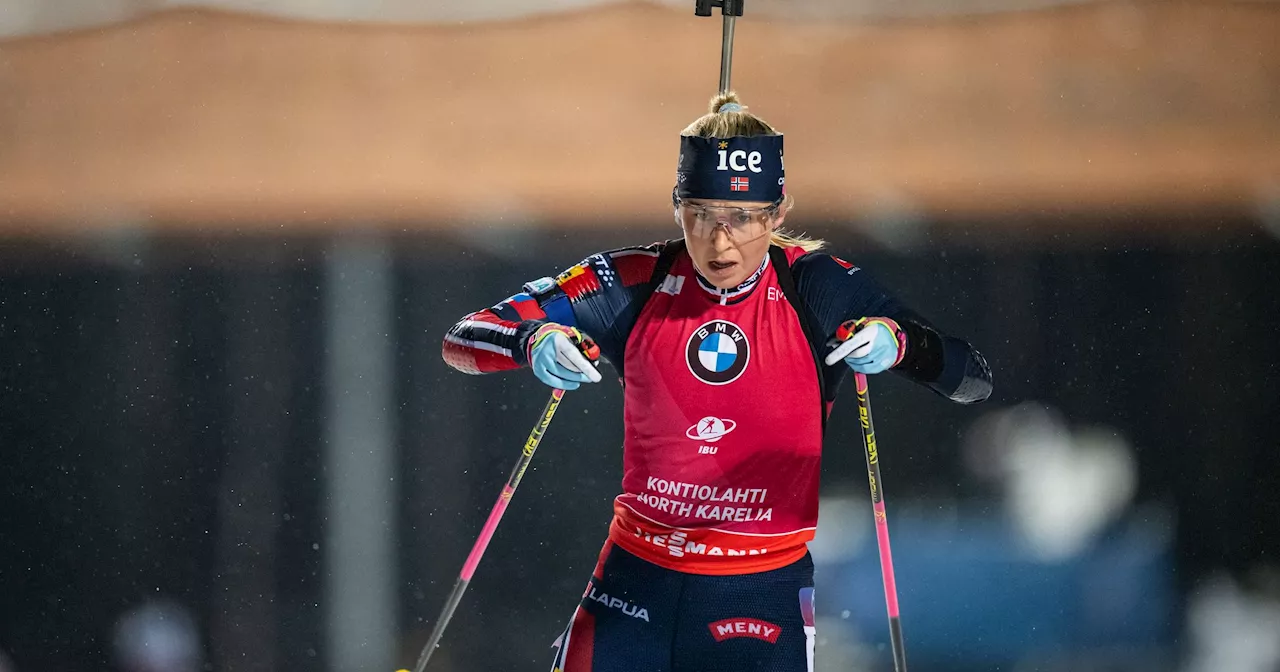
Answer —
722 265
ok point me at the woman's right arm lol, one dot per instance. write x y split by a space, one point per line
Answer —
493 339
595 296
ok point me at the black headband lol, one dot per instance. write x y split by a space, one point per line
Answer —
740 168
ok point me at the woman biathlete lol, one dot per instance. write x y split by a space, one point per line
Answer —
725 342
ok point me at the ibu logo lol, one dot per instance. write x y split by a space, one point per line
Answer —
710 429
718 352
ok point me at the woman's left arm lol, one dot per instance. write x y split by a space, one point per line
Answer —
874 332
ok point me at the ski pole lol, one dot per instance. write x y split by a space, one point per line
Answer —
731 9
495 516
882 523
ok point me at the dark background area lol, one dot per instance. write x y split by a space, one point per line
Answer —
161 417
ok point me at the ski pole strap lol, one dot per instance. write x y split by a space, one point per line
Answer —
848 328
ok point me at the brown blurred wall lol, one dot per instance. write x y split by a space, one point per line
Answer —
235 121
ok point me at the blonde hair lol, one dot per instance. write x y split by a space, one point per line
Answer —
717 124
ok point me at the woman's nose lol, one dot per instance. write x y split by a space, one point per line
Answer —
720 238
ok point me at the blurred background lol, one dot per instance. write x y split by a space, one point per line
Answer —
233 233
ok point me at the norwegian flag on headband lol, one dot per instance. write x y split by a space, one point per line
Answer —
739 184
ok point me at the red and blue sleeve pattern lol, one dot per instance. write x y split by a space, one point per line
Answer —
493 339
597 296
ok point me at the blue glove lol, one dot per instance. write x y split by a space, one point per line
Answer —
563 357
869 345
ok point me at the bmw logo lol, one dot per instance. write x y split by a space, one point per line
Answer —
718 352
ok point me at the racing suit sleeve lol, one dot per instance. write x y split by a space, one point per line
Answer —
835 290
598 296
